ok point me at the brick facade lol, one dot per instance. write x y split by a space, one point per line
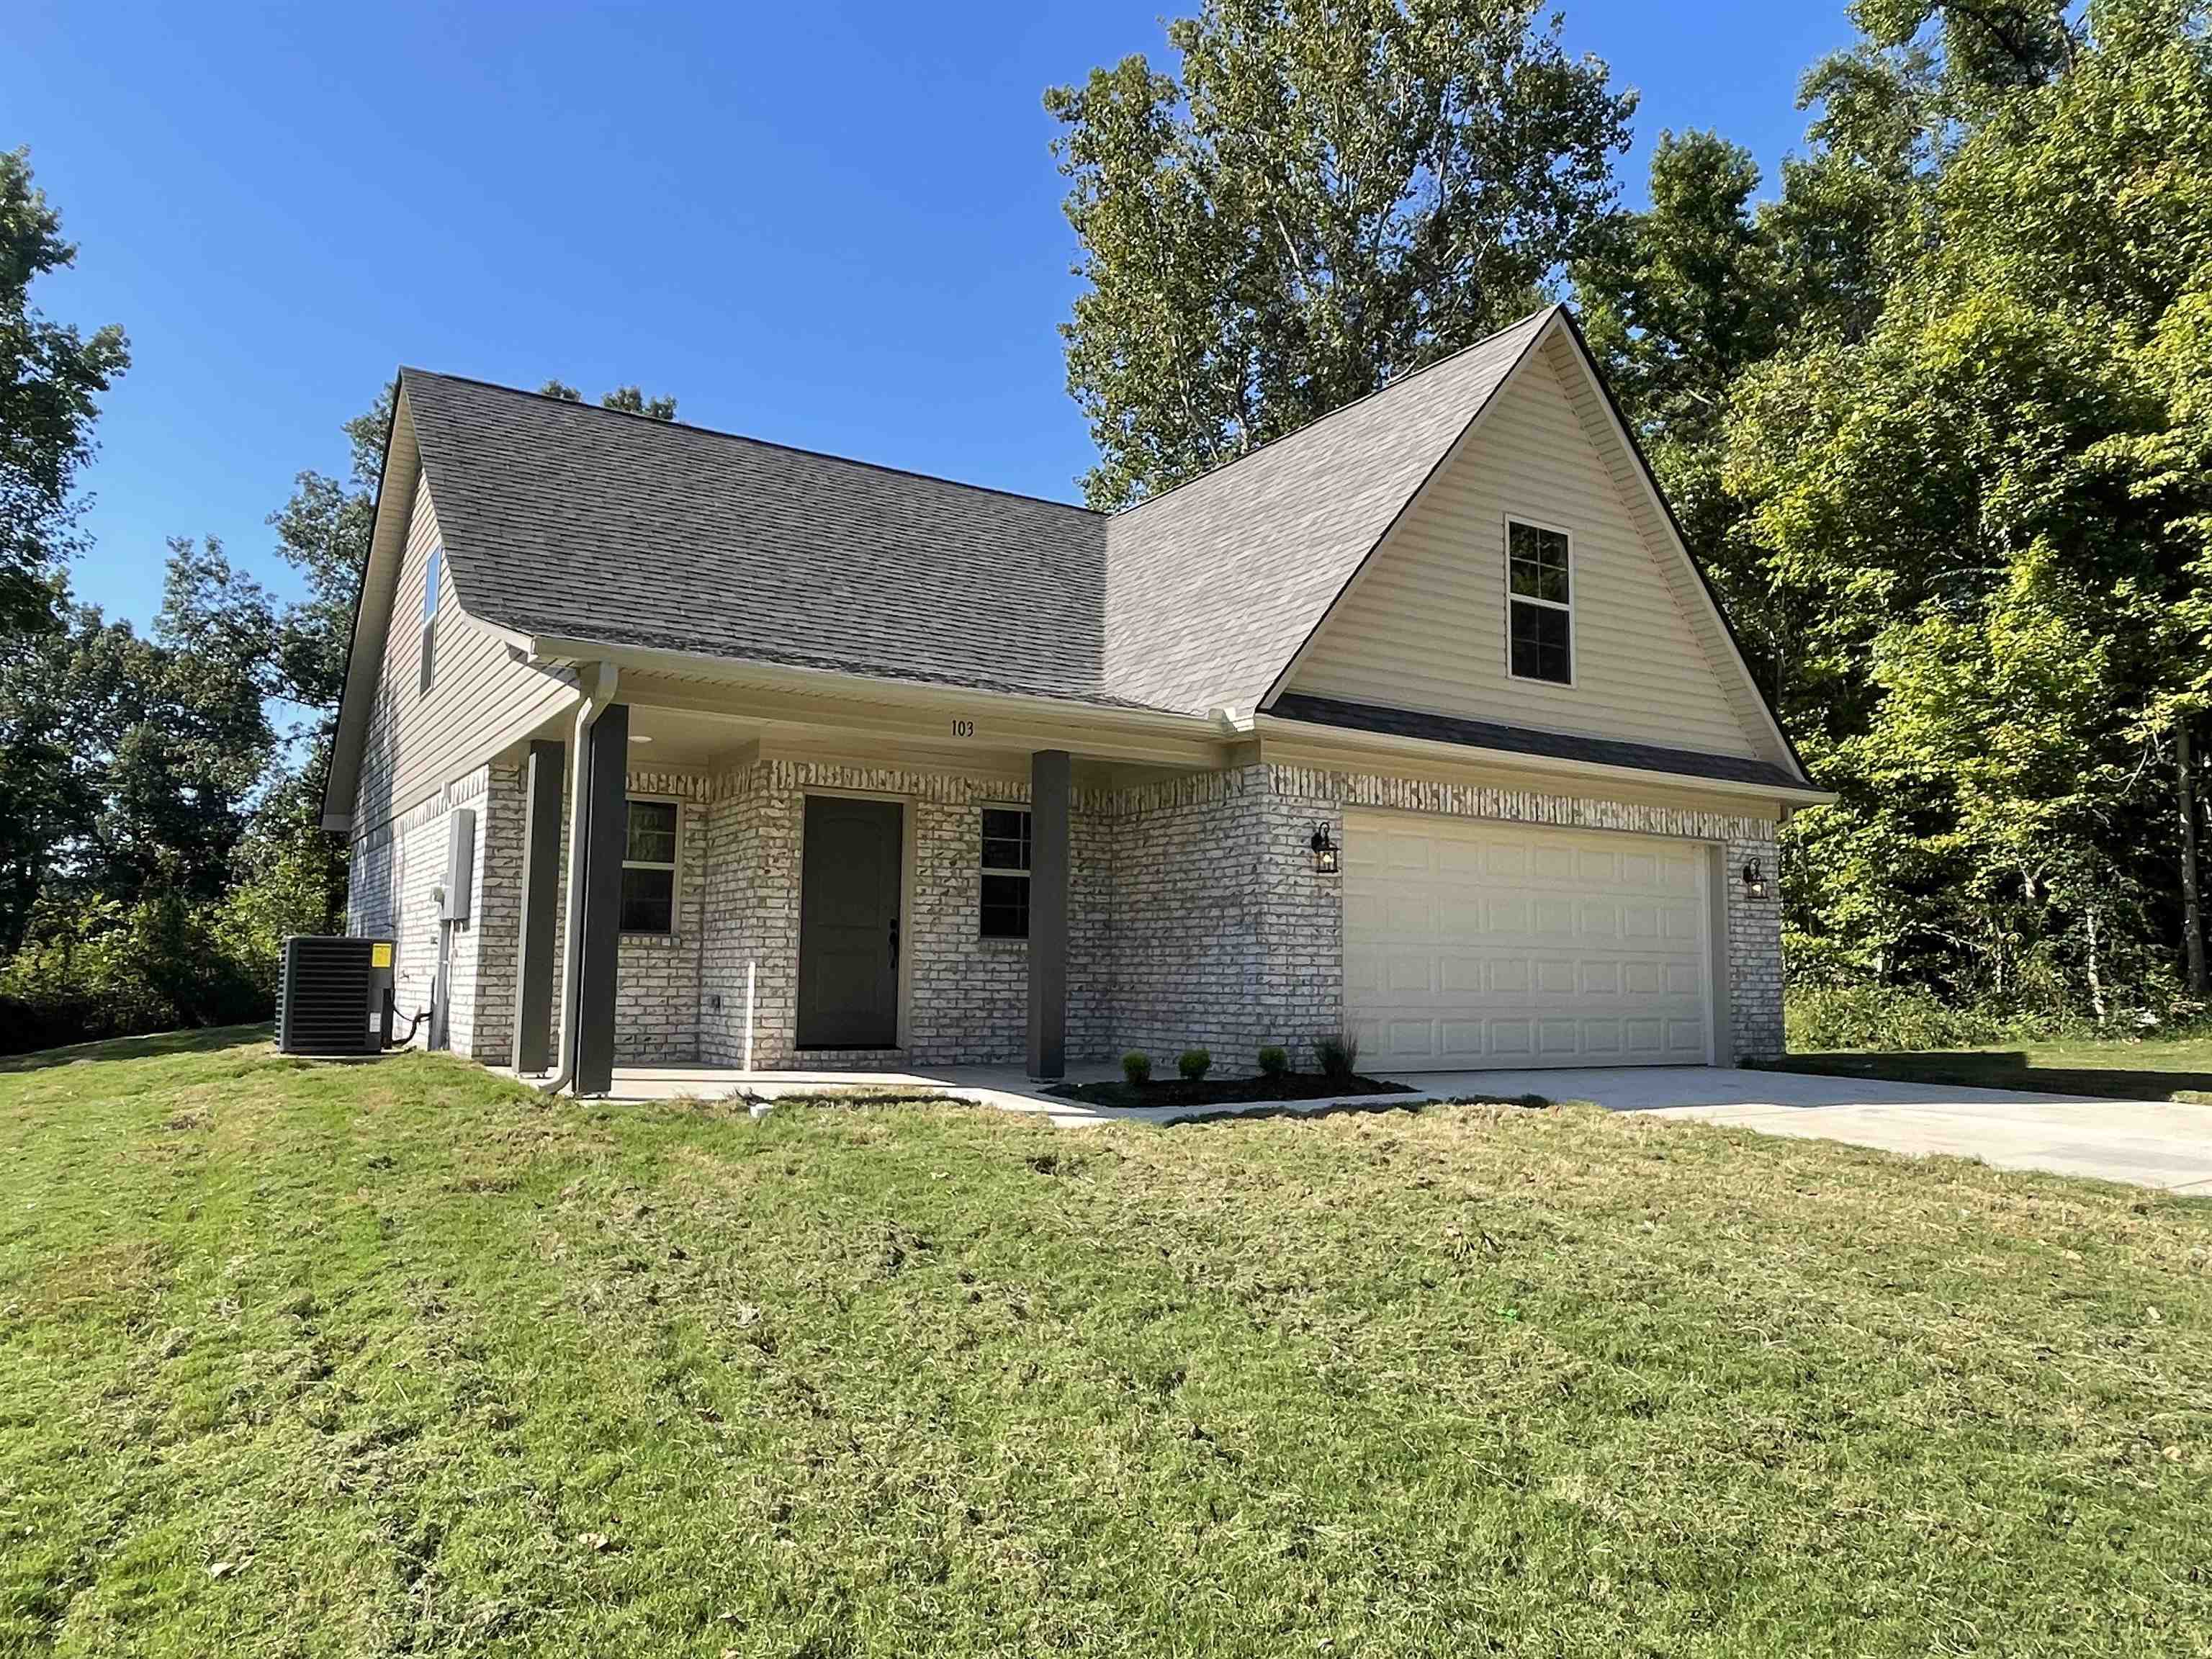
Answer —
1195 915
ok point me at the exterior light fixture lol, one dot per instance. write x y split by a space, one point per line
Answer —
1754 881
1324 851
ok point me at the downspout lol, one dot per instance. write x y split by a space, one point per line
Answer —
572 956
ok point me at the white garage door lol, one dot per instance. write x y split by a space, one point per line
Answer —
1470 944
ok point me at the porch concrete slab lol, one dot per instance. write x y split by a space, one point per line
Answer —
2160 1144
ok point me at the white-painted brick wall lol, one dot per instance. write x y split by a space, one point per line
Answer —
1195 915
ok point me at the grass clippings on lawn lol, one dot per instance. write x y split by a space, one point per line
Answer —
1176 1092
298 1359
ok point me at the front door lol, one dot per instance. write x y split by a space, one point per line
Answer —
848 924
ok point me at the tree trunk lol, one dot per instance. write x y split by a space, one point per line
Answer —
2192 906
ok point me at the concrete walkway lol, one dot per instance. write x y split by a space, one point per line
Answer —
2148 1143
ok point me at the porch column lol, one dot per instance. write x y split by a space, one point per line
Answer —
541 888
606 837
1048 794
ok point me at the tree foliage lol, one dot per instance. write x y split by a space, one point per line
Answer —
51 378
1322 195
628 399
1939 413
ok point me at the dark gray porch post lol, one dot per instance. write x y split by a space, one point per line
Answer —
1048 793
606 837
541 888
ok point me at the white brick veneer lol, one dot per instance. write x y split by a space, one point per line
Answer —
1754 949
1195 915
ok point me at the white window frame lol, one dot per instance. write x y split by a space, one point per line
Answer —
433 566
1505 582
983 869
674 867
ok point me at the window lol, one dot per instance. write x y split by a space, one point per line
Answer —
430 569
1540 638
649 887
1005 910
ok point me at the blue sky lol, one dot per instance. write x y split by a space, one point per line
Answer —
835 225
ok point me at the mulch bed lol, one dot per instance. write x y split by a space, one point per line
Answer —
1226 1091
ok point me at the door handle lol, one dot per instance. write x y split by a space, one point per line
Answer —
894 940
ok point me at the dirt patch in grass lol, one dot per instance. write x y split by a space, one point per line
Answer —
1225 1091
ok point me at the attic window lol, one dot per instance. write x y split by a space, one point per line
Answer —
1540 621
430 569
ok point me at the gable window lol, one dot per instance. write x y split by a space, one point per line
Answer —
1006 907
1539 603
430 569
649 877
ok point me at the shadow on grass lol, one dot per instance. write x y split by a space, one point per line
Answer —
2001 1069
203 1042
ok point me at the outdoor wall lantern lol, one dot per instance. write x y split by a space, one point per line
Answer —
1754 881
1324 851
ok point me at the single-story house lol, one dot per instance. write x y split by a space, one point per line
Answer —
663 746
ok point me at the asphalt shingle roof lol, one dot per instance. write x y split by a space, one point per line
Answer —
563 518
1212 588
567 520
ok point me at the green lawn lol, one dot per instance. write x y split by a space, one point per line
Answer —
2170 1069
395 1357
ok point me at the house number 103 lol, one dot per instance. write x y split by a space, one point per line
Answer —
963 728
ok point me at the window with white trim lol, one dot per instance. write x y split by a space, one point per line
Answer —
648 877
1540 604
431 566
1005 912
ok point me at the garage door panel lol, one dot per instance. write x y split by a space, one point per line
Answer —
1500 946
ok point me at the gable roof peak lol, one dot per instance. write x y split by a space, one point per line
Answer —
1393 384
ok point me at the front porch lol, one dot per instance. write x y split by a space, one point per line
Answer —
792 891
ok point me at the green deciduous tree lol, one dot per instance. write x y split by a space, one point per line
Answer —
1985 515
628 399
1322 195
51 378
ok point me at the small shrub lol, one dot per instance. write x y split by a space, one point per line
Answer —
1884 1016
1137 1068
1274 1061
1193 1064
1338 1054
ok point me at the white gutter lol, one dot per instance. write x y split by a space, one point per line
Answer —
572 959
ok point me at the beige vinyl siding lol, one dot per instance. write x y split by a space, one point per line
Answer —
1424 626
480 698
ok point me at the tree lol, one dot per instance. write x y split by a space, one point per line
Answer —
1988 511
1679 301
628 399
1324 196
51 378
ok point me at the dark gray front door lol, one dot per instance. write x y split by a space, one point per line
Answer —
848 924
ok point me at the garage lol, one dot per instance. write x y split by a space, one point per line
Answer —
1471 944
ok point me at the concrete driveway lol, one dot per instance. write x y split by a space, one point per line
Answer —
2148 1143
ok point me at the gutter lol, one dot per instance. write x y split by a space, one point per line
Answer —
572 957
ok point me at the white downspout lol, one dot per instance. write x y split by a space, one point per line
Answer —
572 956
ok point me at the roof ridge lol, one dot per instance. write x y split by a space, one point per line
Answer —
748 438
1329 415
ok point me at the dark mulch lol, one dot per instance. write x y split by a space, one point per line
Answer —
1226 1091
